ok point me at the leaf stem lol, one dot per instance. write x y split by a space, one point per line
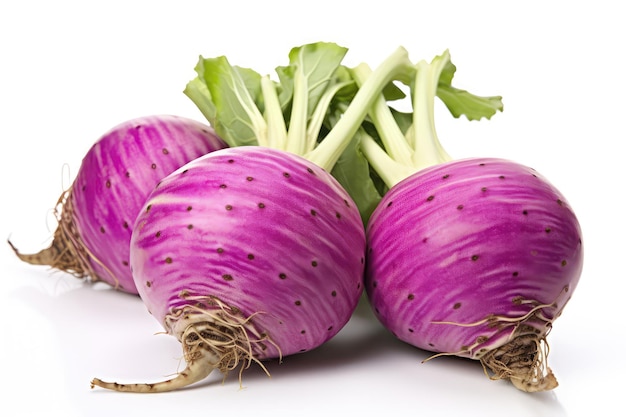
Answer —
390 134
427 148
389 170
273 114
331 147
297 123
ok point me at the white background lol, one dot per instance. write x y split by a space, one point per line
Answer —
70 70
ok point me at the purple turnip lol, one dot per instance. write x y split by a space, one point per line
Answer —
95 215
256 252
247 254
474 257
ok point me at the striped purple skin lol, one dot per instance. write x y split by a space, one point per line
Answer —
463 240
264 231
115 178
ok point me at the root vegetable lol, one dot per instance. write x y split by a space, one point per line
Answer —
256 252
96 214
475 257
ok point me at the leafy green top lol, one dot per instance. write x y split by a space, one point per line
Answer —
404 143
337 117
314 110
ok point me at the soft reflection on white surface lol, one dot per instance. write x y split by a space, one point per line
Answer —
77 331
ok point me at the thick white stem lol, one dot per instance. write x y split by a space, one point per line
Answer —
390 134
330 149
428 149
276 129
296 135
389 170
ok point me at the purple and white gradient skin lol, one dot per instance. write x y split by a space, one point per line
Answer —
463 241
262 230
115 178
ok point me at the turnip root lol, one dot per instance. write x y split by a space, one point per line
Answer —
246 254
95 215
256 252
474 257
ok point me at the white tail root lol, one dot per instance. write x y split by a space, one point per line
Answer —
214 336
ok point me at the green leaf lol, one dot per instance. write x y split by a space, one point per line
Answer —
313 70
285 77
317 62
352 171
234 92
461 102
198 92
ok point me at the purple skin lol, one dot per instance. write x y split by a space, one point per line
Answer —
112 184
263 242
495 253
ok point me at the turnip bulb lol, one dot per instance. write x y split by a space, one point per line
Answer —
95 215
473 257
257 252
495 253
247 254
